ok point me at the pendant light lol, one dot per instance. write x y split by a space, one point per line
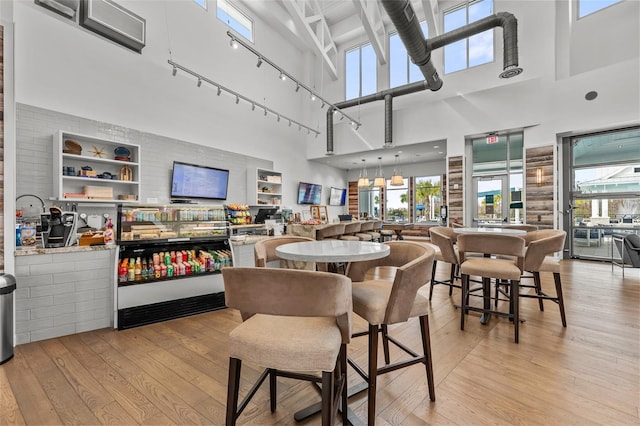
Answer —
379 181
363 180
396 178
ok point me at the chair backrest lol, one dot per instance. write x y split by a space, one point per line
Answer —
456 225
332 231
443 237
289 292
414 262
632 250
528 228
537 235
366 226
352 227
265 250
377 225
537 249
498 244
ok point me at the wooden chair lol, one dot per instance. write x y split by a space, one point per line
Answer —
296 324
509 269
381 303
265 253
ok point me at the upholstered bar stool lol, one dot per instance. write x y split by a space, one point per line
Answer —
296 324
365 231
487 267
350 230
375 230
332 231
443 238
538 259
384 300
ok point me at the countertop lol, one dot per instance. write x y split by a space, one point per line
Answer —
30 251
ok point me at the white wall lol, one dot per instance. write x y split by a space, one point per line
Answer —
62 67
562 61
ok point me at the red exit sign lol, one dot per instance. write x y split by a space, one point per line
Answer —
492 139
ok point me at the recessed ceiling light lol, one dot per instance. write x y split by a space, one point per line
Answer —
440 152
436 146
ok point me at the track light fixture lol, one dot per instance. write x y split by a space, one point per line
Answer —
233 43
238 96
283 76
175 71
322 106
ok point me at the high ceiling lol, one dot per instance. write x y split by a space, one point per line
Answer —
323 26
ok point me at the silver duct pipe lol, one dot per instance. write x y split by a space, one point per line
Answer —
403 17
388 121
509 25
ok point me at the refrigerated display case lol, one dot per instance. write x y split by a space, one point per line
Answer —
169 262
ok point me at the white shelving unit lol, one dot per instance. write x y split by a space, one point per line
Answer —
264 187
99 155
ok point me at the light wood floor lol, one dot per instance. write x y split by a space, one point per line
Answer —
176 372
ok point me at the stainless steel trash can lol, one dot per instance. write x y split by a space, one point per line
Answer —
7 288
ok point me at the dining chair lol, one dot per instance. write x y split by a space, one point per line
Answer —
382 302
332 231
265 253
296 325
443 238
364 234
375 230
538 259
491 266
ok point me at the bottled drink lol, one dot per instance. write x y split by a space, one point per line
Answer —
131 272
137 271
144 269
122 271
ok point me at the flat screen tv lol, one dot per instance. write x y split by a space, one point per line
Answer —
309 193
190 181
337 197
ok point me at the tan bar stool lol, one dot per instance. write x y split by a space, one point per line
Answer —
350 230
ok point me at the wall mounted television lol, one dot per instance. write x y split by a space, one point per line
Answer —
191 181
309 193
337 196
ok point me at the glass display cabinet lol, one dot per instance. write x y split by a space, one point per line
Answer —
169 262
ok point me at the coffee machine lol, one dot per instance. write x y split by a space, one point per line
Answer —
59 228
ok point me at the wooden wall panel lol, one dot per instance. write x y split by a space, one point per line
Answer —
539 200
455 181
353 198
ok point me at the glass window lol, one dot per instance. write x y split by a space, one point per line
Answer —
428 198
474 50
360 71
369 202
401 69
235 19
201 3
397 202
587 7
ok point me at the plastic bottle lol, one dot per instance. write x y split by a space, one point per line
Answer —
18 235
122 271
145 269
131 272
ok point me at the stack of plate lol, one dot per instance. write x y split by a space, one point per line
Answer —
122 154
71 147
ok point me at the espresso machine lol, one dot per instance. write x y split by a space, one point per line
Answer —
59 228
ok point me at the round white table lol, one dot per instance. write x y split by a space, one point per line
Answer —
330 251
503 231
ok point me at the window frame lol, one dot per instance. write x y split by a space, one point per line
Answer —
467 48
409 64
437 197
359 48
593 12
234 10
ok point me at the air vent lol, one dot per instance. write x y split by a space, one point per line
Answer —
114 22
636 170
66 8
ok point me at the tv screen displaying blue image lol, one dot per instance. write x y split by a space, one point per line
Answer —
193 181
309 193
337 197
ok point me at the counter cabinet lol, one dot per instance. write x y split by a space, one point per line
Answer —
184 250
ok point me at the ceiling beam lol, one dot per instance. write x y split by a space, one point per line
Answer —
371 17
432 15
308 17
